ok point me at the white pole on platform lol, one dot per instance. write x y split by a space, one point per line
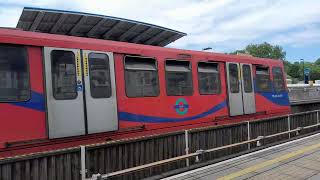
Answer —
248 125
289 128
83 162
187 145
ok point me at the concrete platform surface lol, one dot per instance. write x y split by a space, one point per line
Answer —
298 159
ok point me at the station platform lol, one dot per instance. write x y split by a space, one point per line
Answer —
298 159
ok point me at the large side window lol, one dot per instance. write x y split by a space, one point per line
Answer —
14 74
208 78
263 79
100 82
234 78
63 75
141 76
178 78
278 79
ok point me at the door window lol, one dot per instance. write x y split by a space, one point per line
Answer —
14 74
99 70
63 75
234 78
247 80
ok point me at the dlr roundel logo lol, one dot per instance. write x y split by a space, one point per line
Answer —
181 106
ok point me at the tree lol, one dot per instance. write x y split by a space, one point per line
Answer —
287 65
315 73
239 52
264 50
317 62
294 70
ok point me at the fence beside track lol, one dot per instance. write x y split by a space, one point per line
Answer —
105 158
302 106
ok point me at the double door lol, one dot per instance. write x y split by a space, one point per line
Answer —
240 89
80 92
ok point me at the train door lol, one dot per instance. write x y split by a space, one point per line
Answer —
249 103
78 92
100 91
65 111
240 89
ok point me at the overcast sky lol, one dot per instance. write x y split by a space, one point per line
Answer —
224 25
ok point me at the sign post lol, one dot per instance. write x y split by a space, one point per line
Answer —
306 75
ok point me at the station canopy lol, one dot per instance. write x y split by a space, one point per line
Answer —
95 26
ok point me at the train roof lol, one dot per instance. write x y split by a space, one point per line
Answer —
16 36
80 24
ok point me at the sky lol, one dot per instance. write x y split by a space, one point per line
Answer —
223 25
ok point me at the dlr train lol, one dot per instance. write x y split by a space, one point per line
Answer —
60 91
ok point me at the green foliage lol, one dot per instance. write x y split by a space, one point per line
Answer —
317 62
295 70
315 72
239 52
287 65
264 50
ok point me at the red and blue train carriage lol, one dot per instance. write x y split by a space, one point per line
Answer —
59 91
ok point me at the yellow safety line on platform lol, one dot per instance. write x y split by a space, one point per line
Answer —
270 162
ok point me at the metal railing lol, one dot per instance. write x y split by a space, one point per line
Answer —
257 140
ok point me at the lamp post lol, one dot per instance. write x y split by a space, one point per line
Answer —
303 70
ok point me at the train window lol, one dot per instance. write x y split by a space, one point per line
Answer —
247 80
263 79
278 79
63 74
208 78
178 78
14 74
141 74
234 78
100 82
